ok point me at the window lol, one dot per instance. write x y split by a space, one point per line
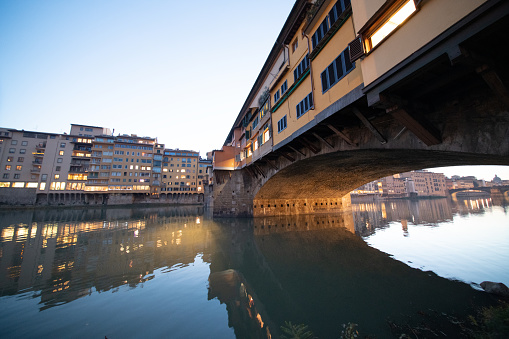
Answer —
305 105
58 168
21 159
281 124
24 143
22 151
320 32
19 167
329 21
61 153
7 167
276 96
9 159
62 145
389 25
16 176
255 122
301 68
14 142
5 176
336 70
12 150
295 44
284 87
59 160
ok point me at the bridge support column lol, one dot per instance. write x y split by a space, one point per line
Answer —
233 193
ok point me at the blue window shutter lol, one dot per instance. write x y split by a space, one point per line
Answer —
339 67
324 81
332 76
346 58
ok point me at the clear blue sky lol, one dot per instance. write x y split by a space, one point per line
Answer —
176 70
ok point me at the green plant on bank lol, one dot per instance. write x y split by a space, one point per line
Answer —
492 322
349 331
313 9
301 331
292 331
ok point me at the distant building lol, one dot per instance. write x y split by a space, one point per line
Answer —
496 180
180 171
409 184
90 160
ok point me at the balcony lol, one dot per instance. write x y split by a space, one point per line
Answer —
35 170
78 170
41 146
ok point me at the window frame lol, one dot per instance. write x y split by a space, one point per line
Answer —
344 58
305 105
282 124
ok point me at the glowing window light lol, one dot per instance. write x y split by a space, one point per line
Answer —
394 21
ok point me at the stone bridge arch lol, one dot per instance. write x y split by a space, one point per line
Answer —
318 183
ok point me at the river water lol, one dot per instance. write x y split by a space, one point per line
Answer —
177 273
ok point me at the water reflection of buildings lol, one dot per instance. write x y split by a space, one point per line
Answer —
473 206
65 260
375 214
378 214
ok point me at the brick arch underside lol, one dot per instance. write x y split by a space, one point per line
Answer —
332 175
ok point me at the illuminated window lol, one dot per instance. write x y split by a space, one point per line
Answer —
389 25
61 153
7 167
9 159
57 176
5 184
42 186
18 184
19 167
266 135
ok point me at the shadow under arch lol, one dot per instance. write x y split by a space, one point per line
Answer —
317 184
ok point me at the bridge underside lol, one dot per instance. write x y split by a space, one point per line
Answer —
318 184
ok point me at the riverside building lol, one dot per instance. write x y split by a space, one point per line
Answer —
409 184
92 166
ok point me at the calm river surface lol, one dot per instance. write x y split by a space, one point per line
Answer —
177 273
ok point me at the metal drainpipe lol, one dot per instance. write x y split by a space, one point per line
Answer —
311 72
